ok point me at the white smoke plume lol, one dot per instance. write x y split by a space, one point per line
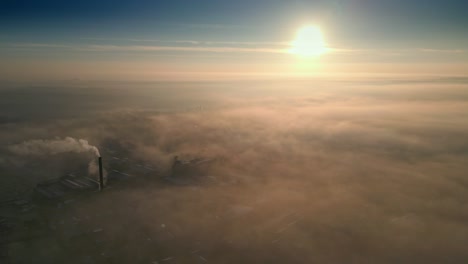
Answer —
54 146
42 147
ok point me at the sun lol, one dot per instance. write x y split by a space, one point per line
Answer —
309 42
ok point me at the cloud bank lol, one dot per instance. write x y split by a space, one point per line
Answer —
303 173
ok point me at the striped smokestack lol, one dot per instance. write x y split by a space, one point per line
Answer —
101 176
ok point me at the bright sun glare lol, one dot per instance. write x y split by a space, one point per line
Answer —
309 42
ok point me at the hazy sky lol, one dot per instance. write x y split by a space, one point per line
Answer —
154 40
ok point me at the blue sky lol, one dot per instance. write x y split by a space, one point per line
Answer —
423 31
351 21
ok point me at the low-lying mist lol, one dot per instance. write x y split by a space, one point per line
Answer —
326 172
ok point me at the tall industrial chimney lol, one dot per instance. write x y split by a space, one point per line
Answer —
101 176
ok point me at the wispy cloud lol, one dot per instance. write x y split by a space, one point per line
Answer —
197 42
149 48
39 45
210 26
217 47
444 50
175 48
192 42
397 51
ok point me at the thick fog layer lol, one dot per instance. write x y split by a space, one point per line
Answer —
299 172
